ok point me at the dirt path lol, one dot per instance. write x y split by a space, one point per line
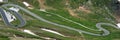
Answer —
0 19
67 2
72 13
41 4
82 8
117 18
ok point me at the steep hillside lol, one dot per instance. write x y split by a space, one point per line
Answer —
69 18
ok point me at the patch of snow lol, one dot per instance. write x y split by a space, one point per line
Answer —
14 9
118 25
52 31
30 8
29 32
26 4
9 16
46 38
48 15
118 0
1 0
43 10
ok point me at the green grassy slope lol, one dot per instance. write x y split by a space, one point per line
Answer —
98 13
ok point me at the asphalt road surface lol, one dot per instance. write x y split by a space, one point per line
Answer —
98 25
22 21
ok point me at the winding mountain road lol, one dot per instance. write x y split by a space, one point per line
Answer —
22 21
98 25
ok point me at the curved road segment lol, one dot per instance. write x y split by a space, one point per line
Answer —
98 25
22 22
